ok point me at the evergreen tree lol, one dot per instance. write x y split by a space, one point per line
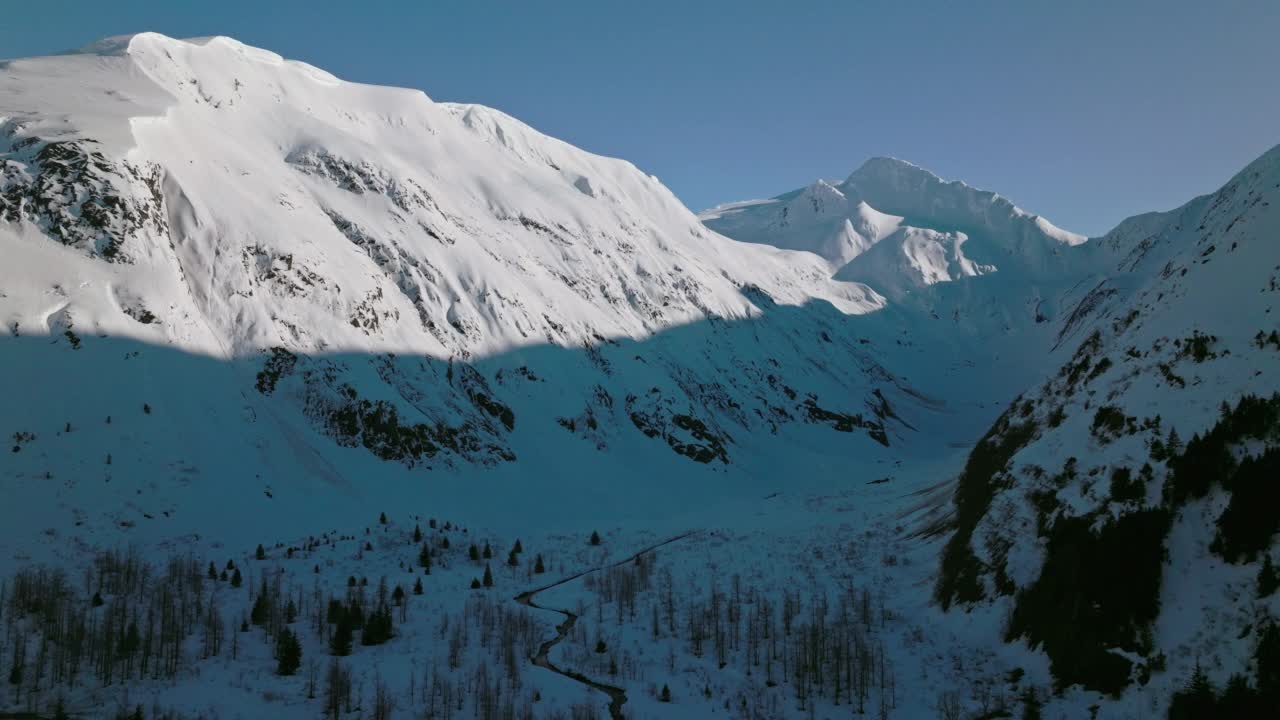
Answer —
261 610
488 553
340 641
1239 700
595 538
1266 659
377 627
1123 487
261 552
512 559
666 694
473 552
1268 578
213 571
444 542
424 558
236 580
475 584
223 576
538 567
97 600
398 595
1197 700
382 518
417 587
417 534
132 640
488 576
288 653
518 547
1032 706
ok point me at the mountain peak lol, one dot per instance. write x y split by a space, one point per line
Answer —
823 187
820 198
108 46
142 42
883 167
839 222
267 203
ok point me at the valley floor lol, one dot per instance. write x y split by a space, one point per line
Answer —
787 604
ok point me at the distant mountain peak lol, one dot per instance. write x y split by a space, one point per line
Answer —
883 166
820 198
886 194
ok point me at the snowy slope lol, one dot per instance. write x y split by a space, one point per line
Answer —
242 270
1176 325
410 224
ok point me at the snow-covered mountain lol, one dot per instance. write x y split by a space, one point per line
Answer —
1122 512
269 203
387 286
899 227
912 238
245 299
1080 519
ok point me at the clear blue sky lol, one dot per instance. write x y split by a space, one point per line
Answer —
1085 112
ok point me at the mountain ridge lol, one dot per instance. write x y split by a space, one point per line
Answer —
233 205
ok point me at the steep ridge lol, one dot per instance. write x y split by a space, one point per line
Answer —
1117 511
209 147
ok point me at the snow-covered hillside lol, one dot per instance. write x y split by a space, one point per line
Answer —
1082 527
1122 513
263 202
350 266
372 285
247 302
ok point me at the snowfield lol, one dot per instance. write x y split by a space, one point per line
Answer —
351 346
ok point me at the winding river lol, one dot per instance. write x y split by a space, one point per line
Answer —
617 696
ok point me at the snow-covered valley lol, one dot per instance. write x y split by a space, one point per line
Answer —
332 339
